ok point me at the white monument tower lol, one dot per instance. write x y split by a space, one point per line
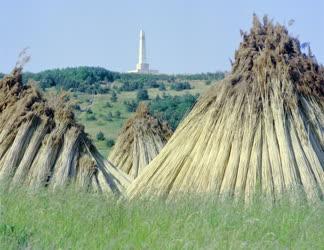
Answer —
142 66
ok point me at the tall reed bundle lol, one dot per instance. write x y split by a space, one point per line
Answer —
44 146
260 129
141 139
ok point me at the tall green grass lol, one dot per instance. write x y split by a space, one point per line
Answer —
75 220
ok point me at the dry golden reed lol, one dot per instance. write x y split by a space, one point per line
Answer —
141 139
42 145
260 129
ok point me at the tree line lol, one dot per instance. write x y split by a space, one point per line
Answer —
96 80
92 80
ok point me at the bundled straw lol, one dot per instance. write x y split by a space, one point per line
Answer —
260 129
141 139
44 146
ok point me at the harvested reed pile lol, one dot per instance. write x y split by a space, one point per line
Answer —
44 146
260 129
141 139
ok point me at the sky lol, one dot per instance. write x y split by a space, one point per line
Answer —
182 36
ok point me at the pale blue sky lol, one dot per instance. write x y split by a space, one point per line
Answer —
183 36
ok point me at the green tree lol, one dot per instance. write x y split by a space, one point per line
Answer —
107 105
117 114
131 106
109 117
114 96
100 136
91 117
172 109
178 86
162 87
142 95
157 98
208 82
76 107
110 143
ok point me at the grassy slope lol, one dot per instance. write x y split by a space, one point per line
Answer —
112 128
70 220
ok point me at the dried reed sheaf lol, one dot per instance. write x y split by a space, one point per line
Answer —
41 145
260 130
141 139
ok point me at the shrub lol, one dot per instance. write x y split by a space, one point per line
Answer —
107 105
131 106
110 143
152 84
117 114
178 86
109 117
131 86
91 117
76 107
113 97
100 136
142 95
172 108
162 87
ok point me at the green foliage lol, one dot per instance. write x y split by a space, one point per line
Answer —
69 219
162 87
109 117
146 78
92 80
202 76
76 107
178 86
131 106
172 108
152 84
142 95
108 105
100 136
110 142
1 75
95 80
131 86
117 114
114 97
208 82
91 117
140 84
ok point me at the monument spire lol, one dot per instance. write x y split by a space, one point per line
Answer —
142 65
142 48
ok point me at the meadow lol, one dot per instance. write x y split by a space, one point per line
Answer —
69 219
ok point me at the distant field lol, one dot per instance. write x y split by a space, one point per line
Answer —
111 129
75 220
